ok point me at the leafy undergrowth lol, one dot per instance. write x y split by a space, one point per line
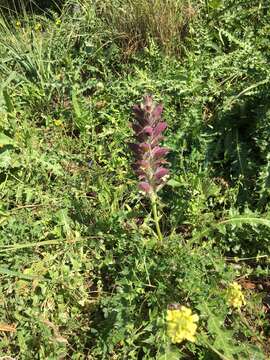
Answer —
82 273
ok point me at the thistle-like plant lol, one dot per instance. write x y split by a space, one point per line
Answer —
150 156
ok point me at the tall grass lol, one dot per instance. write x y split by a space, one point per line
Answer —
36 49
27 51
138 21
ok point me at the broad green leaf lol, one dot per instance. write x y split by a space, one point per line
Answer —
174 183
5 140
215 4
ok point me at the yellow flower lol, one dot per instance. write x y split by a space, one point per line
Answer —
18 24
100 85
58 22
235 297
37 27
57 122
181 324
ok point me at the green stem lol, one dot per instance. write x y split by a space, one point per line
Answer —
217 352
154 209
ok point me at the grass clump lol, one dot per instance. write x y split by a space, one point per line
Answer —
136 22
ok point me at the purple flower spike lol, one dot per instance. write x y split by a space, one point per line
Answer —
148 128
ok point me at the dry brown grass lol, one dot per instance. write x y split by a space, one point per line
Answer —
136 21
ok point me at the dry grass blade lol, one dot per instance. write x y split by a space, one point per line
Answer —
7 327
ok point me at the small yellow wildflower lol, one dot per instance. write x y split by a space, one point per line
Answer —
37 27
235 297
57 122
58 22
181 324
100 85
18 24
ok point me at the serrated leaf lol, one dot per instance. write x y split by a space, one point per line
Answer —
172 354
246 219
235 221
223 339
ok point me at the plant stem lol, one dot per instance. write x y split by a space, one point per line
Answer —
217 352
154 209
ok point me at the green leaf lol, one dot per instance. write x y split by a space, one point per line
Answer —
8 101
246 219
29 245
5 140
174 183
223 338
76 105
215 4
171 354
238 220
19 274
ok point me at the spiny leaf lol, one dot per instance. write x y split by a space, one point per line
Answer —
237 220
246 219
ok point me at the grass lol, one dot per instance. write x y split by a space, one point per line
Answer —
135 23
81 275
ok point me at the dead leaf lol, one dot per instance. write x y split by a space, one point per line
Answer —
7 327
57 336
248 285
